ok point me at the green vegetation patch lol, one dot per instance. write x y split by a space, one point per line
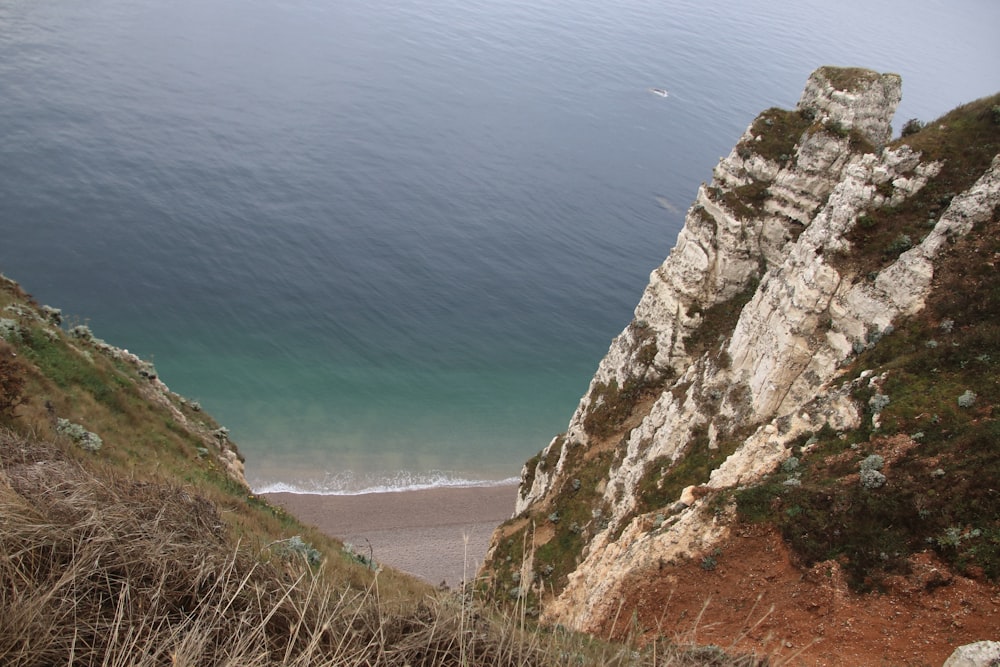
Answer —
746 201
948 504
856 141
577 513
664 479
952 347
70 370
610 405
504 587
718 321
848 79
779 131
965 140
12 382
939 437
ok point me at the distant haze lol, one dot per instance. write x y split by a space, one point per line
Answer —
387 243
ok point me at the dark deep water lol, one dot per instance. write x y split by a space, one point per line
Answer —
387 243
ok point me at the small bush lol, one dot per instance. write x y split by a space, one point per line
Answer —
899 245
82 331
91 442
967 400
866 221
870 476
872 479
53 315
298 548
873 462
911 127
11 382
838 129
878 403
368 561
10 329
952 537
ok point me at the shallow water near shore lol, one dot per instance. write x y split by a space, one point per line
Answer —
387 243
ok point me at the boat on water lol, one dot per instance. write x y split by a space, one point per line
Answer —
659 91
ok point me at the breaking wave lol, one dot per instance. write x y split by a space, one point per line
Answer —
352 484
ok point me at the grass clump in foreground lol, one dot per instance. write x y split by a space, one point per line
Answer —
110 570
97 568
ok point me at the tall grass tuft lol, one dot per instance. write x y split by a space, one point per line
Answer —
99 568
113 571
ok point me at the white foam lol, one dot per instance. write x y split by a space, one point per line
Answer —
349 484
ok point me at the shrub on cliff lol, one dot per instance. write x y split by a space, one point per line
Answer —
11 381
78 434
911 127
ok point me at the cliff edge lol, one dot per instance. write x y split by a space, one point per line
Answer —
793 377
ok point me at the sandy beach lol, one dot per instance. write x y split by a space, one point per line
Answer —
420 532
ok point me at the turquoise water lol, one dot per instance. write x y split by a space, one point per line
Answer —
386 243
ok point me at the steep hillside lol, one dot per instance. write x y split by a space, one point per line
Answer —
127 531
813 371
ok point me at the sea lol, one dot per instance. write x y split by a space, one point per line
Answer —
387 242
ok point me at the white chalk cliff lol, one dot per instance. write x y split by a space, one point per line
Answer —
768 236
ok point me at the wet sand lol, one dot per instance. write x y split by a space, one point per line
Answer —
420 532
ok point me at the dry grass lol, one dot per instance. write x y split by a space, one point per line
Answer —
113 571
98 568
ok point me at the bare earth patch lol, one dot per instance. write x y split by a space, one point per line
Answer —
752 597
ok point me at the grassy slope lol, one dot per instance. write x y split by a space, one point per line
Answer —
161 459
154 436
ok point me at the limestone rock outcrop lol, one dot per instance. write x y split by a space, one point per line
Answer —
737 344
980 654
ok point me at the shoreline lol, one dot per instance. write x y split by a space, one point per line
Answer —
437 534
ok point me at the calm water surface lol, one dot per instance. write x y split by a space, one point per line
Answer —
387 242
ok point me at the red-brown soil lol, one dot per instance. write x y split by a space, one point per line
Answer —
757 599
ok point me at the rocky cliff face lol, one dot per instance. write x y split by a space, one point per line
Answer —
742 344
